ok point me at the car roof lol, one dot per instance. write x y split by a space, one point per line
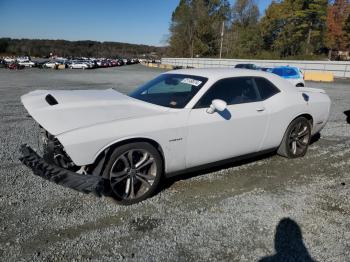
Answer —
282 72
285 67
214 74
220 72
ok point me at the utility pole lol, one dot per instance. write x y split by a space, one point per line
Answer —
222 37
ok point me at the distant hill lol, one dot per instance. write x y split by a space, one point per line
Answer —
43 48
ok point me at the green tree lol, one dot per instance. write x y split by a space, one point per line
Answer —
243 38
245 13
182 31
4 43
195 27
35 47
293 27
311 17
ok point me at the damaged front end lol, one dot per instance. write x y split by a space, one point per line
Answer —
56 166
54 153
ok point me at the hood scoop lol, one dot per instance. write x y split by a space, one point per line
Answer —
51 100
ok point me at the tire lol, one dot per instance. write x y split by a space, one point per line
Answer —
130 184
296 139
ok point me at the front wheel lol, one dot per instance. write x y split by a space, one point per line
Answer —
134 171
296 139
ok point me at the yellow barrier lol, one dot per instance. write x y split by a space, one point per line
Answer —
318 76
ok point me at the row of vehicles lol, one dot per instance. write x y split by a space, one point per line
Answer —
89 63
73 64
82 63
292 74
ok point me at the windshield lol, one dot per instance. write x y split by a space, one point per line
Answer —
170 90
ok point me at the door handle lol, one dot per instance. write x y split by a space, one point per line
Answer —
260 109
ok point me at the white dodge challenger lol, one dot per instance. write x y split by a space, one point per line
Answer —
117 145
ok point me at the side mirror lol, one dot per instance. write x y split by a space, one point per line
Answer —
217 105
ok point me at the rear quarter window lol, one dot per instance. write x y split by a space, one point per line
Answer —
265 88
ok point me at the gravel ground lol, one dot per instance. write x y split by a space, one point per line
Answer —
271 208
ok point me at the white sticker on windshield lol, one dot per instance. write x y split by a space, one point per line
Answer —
191 81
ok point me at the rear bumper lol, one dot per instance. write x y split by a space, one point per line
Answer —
82 183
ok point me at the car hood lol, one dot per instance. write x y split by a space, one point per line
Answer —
60 111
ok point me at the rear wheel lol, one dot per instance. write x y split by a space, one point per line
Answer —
296 139
134 171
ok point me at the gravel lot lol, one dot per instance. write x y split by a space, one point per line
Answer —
272 208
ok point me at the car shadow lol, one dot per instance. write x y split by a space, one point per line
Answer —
347 113
315 138
289 245
225 114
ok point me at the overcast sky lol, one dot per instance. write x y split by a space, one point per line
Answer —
131 21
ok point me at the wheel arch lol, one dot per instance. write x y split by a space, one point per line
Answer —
106 151
306 115
281 148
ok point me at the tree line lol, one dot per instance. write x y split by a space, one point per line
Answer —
43 48
288 28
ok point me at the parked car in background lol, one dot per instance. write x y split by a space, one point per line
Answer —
27 63
134 61
247 66
79 65
105 142
292 74
15 66
127 61
113 63
51 64
41 64
104 63
9 60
